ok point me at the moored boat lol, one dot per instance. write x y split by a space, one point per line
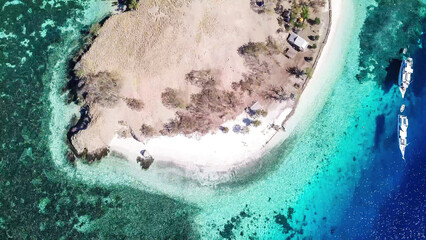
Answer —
402 133
405 75
402 108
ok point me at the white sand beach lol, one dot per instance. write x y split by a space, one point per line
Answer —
214 151
225 151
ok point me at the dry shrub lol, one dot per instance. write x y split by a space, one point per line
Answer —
102 89
205 109
194 122
214 100
123 133
252 49
200 78
246 83
235 86
146 130
199 116
134 104
170 99
275 93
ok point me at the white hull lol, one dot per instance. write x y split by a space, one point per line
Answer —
402 90
405 72
402 108
402 133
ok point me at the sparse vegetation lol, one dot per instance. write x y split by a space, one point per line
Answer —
170 99
102 88
146 130
256 123
134 104
94 29
314 46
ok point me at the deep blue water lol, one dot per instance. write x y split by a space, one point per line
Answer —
401 212
389 201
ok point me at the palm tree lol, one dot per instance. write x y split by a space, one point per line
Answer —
296 71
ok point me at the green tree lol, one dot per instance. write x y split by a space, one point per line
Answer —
261 112
133 4
299 24
309 72
256 123
305 12
317 21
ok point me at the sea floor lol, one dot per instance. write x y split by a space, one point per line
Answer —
340 176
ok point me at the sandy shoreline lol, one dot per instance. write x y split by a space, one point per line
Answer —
218 152
214 151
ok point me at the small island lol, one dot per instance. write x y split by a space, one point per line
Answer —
199 84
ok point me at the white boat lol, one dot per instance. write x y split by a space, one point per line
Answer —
402 108
405 75
402 133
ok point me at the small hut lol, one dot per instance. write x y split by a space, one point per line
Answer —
298 42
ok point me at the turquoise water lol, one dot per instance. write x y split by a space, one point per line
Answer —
339 176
